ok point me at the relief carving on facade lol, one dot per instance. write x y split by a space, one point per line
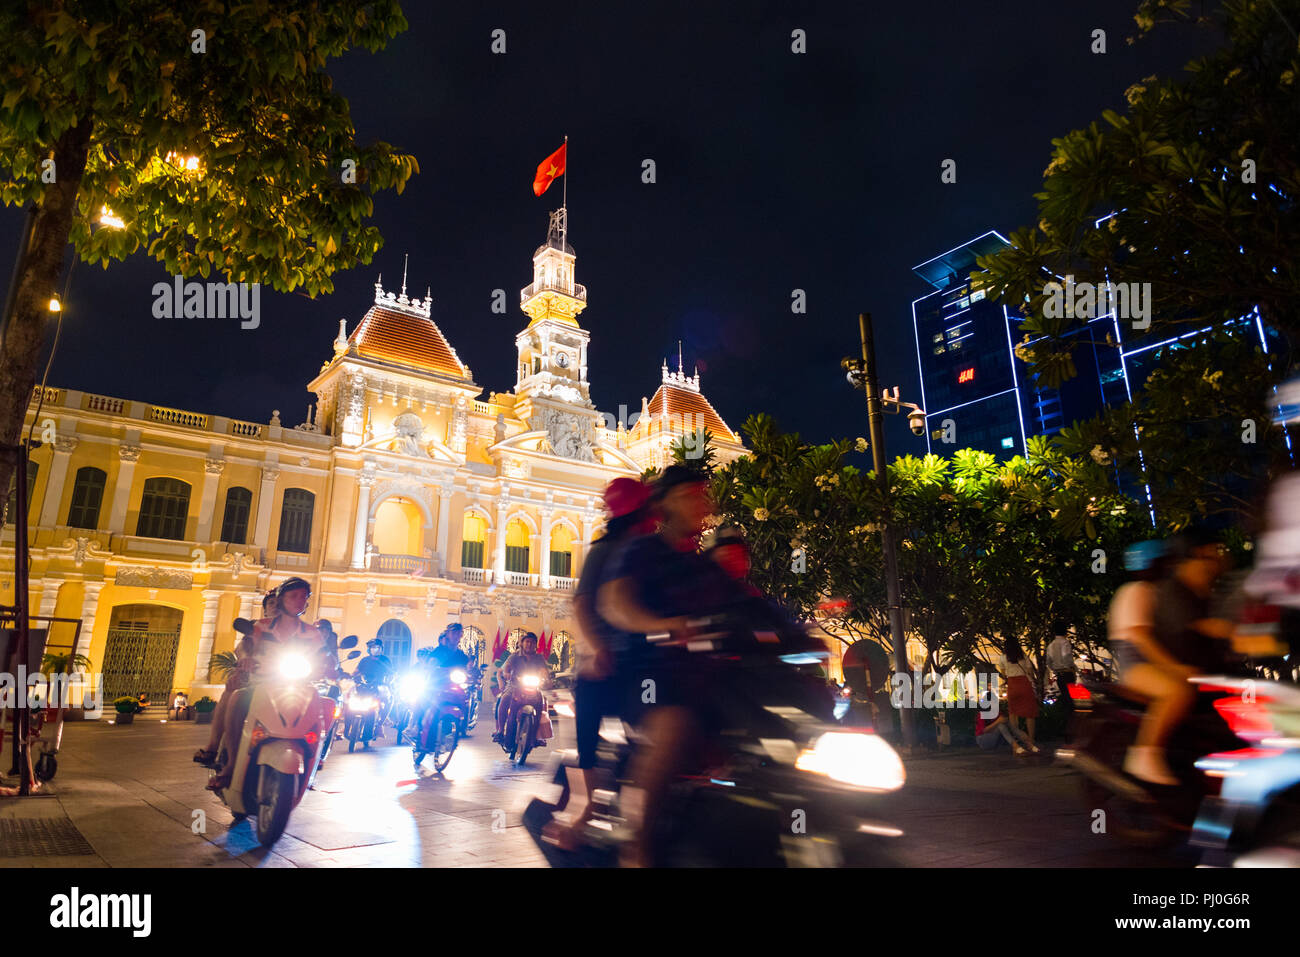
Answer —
476 603
567 435
408 435
137 577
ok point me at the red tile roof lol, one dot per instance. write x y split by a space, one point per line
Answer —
688 407
386 335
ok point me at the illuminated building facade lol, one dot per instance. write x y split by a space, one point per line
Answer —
406 499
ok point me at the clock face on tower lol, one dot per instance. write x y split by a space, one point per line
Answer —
562 360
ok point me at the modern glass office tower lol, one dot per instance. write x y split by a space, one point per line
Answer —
975 391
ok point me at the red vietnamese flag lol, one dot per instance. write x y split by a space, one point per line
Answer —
546 647
551 169
496 646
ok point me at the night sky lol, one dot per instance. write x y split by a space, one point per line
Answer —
775 171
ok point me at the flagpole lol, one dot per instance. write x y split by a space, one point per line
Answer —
564 236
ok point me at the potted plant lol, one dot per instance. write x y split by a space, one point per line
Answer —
222 665
65 663
126 707
203 709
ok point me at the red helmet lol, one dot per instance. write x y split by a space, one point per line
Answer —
623 496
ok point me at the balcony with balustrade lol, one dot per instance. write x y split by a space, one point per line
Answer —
575 289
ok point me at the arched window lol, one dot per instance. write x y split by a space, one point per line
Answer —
234 526
515 635
473 540
295 520
397 641
562 552
164 507
11 504
87 495
517 547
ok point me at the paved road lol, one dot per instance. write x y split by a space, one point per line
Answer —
133 793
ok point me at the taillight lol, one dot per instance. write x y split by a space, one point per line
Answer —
1079 693
1248 720
312 737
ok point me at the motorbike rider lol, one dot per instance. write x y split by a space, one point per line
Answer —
238 679
525 660
659 580
444 656
602 647
1171 637
375 668
285 628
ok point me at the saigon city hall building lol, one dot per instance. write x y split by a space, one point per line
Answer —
407 501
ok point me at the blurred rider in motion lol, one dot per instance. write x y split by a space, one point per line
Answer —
603 648
238 679
1165 635
375 668
287 627
660 580
443 657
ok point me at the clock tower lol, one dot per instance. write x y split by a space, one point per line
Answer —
551 388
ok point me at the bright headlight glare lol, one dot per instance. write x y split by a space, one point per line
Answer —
458 677
856 759
412 687
531 681
294 666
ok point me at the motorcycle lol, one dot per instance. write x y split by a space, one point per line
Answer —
523 733
1254 819
782 758
365 710
280 748
444 718
1142 814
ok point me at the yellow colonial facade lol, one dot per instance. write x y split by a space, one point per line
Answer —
406 500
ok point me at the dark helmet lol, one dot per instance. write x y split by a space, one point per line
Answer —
525 636
291 584
375 641
673 476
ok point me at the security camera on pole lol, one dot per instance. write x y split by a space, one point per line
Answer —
862 375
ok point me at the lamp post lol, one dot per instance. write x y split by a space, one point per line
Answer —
862 375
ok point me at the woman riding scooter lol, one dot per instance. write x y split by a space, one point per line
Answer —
291 601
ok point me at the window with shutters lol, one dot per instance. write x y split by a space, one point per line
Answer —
164 508
87 496
295 520
234 525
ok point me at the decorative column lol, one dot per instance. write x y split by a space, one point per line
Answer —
544 558
49 597
499 563
361 523
89 608
265 502
588 525
211 479
63 449
207 636
444 522
128 455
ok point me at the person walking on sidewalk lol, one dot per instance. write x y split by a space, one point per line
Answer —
1060 658
1022 701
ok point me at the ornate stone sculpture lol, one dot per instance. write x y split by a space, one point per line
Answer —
408 435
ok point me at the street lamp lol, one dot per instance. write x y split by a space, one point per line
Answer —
861 374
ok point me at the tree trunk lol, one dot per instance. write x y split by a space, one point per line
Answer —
38 277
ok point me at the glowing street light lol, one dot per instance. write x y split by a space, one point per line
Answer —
108 218
55 306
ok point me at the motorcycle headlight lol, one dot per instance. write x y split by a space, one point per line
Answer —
856 759
531 681
458 677
361 702
412 687
294 666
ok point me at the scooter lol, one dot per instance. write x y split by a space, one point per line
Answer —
282 742
782 759
1254 819
444 718
524 732
1139 813
365 708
